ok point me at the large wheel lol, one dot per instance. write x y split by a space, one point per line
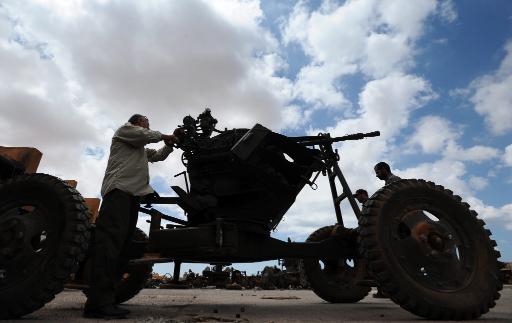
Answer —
336 280
429 252
44 232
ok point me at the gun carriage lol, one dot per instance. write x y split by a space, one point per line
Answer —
417 240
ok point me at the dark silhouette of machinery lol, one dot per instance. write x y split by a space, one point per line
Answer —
417 240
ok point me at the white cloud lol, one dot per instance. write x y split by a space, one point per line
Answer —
294 117
487 212
444 172
447 11
478 183
315 85
374 37
492 97
386 53
433 134
386 103
406 17
475 154
245 13
130 58
507 156
38 111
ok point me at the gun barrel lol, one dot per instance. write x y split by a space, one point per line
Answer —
318 140
357 136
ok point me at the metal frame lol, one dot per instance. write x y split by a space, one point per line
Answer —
222 242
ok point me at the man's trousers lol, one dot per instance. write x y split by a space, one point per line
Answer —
114 230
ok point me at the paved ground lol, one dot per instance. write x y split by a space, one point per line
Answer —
213 305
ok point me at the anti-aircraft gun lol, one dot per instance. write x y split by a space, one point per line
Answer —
420 243
416 240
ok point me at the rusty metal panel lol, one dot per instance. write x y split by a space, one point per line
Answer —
28 156
71 182
93 203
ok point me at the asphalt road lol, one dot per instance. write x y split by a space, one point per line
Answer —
214 305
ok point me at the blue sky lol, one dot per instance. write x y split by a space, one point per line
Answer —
432 76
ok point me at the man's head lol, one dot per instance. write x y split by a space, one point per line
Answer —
382 170
361 196
139 120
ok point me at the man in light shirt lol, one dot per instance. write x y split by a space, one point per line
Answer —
126 181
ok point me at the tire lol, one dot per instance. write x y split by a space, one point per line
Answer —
341 286
429 251
134 277
44 233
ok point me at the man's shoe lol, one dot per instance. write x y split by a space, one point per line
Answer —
106 312
380 294
122 309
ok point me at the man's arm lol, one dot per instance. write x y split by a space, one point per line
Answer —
158 155
162 153
138 136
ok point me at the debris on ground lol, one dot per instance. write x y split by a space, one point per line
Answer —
280 297
289 276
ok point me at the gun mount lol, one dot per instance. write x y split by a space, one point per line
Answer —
250 176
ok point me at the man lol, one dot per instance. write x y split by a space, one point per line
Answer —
361 196
126 180
383 172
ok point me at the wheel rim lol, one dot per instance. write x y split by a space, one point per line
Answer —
340 271
26 236
427 245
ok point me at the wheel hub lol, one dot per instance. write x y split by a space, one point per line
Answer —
22 240
433 238
11 237
428 247
435 241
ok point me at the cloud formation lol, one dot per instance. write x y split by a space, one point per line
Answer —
376 38
507 156
110 59
432 134
492 97
73 71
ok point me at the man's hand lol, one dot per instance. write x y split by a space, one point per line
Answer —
174 138
178 132
170 139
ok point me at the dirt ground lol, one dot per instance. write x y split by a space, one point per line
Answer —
214 305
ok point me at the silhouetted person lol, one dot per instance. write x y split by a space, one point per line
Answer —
126 180
361 196
383 172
